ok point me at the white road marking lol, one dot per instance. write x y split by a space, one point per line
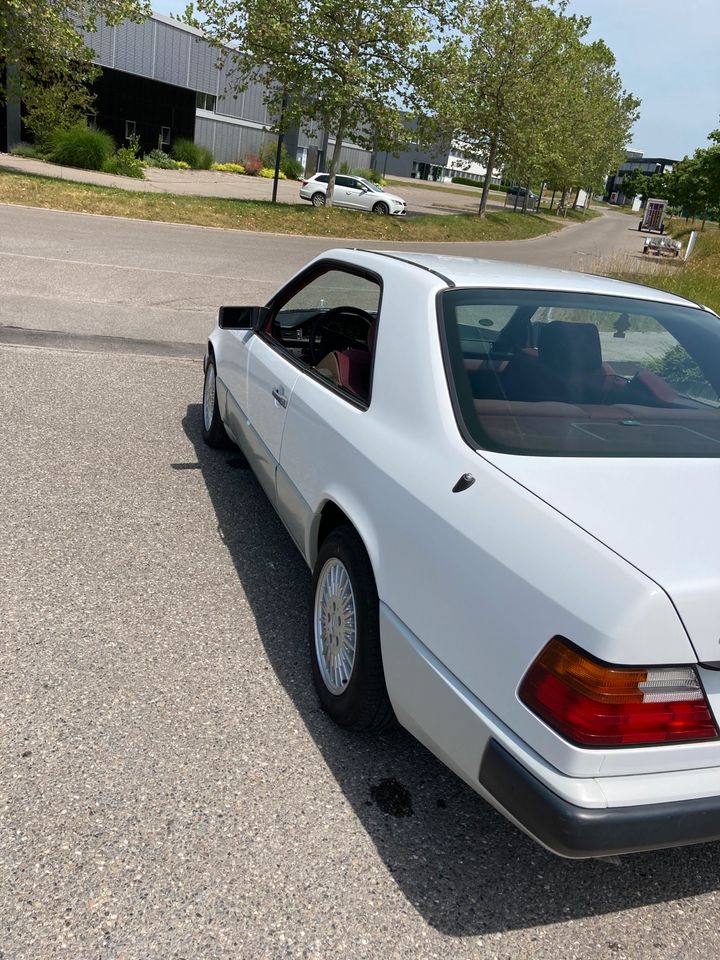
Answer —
120 266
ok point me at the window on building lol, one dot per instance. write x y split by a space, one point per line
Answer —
205 101
164 138
129 129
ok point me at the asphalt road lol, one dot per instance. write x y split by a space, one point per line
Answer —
169 787
130 278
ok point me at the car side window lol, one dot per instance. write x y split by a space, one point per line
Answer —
345 182
327 325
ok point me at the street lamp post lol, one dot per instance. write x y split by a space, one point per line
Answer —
278 152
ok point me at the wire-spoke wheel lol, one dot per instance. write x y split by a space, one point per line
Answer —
335 626
345 635
318 199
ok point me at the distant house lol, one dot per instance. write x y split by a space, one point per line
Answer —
635 160
443 163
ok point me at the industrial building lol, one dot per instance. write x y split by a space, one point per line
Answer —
161 80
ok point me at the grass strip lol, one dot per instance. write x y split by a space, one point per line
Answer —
263 216
698 279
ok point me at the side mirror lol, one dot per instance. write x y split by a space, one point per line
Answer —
242 318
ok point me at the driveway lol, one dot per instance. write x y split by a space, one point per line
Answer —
210 183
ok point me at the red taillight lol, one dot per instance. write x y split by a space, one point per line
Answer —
595 705
305 183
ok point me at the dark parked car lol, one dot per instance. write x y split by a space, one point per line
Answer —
521 192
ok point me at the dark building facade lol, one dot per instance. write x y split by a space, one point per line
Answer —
649 166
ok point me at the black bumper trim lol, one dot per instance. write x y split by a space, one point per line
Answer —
577 832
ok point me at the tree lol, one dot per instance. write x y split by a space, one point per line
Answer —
42 47
589 121
634 184
694 183
491 84
520 89
345 68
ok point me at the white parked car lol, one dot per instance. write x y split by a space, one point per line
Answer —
506 482
355 193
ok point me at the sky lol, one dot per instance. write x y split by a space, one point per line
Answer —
668 55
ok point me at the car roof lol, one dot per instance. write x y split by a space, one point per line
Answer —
471 272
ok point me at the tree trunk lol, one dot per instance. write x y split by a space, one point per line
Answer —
552 201
488 176
335 160
577 196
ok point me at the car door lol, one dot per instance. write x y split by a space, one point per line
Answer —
348 192
325 413
271 378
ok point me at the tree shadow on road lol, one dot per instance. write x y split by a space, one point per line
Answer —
460 864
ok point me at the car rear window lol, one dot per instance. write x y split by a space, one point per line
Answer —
537 372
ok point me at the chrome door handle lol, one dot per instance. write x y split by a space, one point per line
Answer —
280 396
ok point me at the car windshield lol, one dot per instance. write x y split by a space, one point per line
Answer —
372 187
536 372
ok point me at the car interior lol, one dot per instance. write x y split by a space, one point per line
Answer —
336 341
543 383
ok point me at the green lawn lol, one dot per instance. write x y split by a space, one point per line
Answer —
263 216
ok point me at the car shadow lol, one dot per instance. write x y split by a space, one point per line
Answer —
463 867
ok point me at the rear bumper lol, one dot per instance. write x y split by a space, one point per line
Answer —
577 832
572 815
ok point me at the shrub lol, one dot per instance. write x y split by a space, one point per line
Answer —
228 167
268 151
196 156
253 165
291 167
27 150
344 167
81 146
125 164
367 174
181 165
269 173
676 366
126 161
158 158
63 101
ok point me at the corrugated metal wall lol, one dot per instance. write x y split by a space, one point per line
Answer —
160 50
229 142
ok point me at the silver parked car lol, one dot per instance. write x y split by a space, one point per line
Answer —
353 192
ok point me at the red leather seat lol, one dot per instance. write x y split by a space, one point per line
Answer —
350 368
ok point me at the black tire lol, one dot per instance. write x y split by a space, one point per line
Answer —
318 199
213 431
363 704
381 208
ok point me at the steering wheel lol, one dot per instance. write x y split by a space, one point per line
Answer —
322 341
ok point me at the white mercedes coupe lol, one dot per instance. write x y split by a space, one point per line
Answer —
506 481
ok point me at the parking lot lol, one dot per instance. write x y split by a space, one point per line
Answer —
168 783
